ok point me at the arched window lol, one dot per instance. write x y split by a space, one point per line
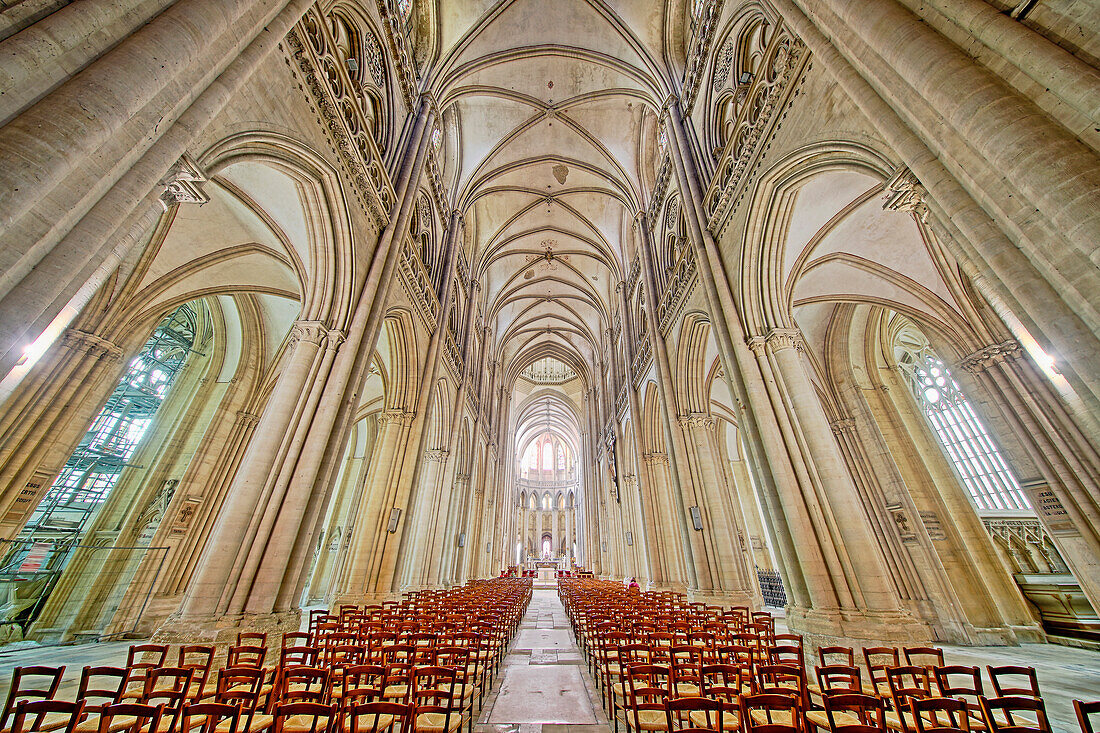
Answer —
547 455
546 501
961 434
94 467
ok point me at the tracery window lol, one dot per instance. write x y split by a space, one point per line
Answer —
961 433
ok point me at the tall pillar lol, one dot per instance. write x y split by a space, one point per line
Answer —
732 581
852 594
250 502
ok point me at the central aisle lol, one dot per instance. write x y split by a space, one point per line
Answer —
544 680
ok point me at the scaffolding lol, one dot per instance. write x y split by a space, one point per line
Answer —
58 523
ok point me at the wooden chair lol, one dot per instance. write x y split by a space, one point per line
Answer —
168 688
198 658
905 682
682 714
29 684
304 684
47 715
855 713
963 683
209 717
940 714
129 717
723 683
771 713
878 660
1085 711
434 707
304 717
141 659
375 716
1015 714
98 688
648 686
242 686
833 680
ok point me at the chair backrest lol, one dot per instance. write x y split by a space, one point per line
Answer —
299 656
252 638
839 678
923 656
1011 680
246 655
30 714
1085 711
870 710
141 658
198 658
362 683
31 683
130 718
233 681
1015 714
296 638
723 682
308 717
100 686
907 682
780 713
878 660
376 716
304 684
210 717
679 709
945 714
844 655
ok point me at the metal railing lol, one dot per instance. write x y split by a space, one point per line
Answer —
771 587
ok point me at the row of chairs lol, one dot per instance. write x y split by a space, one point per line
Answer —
650 679
428 682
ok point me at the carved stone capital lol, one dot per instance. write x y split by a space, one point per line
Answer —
696 420
843 425
91 344
784 338
982 359
904 192
436 455
247 420
312 332
461 478
655 457
335 338
394 417
183 184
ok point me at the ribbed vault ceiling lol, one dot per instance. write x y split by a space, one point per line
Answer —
551 102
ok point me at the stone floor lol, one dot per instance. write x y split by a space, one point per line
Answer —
544 686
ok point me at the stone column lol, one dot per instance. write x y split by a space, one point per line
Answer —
248 506
732 581
682 489
370 522
862 605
